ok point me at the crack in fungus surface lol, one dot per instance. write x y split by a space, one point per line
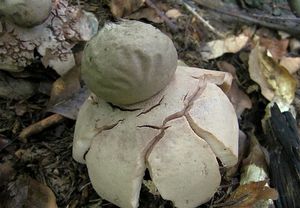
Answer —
123 108
150 126
106 127
151 108
188 102
100 130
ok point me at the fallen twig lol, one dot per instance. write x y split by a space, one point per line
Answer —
162 15
40 126
204 22
286 23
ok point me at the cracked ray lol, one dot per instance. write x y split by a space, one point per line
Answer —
106 127
188 101
151 108
123 108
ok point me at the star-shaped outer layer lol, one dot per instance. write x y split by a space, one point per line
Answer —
177 134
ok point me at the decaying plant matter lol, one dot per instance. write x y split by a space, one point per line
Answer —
177 133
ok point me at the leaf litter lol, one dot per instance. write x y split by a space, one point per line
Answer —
47 156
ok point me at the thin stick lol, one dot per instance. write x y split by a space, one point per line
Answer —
204 22
40 126
161 14
291 25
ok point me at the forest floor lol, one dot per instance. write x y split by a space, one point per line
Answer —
47 156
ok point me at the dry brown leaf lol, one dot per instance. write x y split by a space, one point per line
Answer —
153 13
283 35
27 192
121 8
6 168
246 196
6 174
17 89
4 141
40 195
65 86
217 48
173 13
146 13
294 45
278 48
238 98
292 64
67 95
69 108
274 80
254 167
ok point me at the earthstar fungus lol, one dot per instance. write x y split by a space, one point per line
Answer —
52 28
26 13
177 132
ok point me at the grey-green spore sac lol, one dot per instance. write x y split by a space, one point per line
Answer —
26 13
128 62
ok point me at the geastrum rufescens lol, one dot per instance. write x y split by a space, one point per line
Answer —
50 28
146 112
